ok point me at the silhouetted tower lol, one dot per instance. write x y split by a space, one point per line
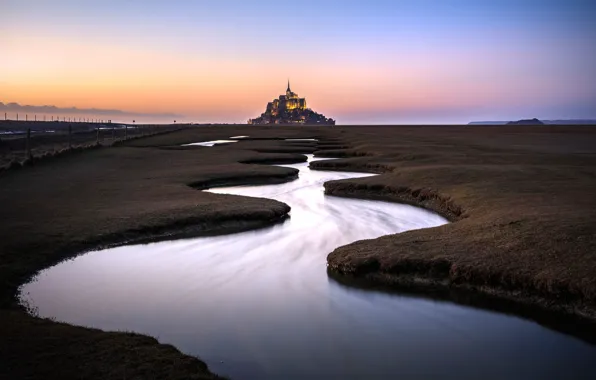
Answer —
288 91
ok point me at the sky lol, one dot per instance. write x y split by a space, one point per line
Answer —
359 62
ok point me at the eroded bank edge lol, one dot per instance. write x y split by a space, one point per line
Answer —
182 228
528 307
545 308
178 229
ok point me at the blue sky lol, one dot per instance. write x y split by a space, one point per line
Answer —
413 61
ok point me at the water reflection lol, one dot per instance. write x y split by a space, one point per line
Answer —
259 304
211 143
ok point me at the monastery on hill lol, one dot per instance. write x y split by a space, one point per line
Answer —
290 109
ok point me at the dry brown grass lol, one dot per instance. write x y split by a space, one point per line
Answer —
521 198
141 190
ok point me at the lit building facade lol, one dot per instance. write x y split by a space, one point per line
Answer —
290 109
288 102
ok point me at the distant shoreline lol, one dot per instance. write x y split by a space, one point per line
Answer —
546 122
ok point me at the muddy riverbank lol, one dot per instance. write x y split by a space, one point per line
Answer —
136 192
525 224
520 197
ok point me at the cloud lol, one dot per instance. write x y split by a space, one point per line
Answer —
15 107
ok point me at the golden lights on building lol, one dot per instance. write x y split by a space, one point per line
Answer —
290 108
290 101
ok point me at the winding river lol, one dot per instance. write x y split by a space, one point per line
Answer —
259 304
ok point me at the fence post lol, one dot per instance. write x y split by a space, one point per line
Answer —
28 146
35 117
125 131
69 136
5 116
26 117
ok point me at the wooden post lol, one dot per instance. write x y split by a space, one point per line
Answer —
28 146
26 117
69 136
5 116
17 117
125 131
35 117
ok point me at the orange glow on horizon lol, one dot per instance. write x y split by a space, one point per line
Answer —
68 73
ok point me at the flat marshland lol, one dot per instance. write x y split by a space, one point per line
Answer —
521 200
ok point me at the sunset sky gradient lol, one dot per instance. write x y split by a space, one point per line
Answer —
374 61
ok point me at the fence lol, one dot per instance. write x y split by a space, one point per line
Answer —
28 145
52 118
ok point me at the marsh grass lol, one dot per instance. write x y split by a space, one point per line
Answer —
520 199
134 192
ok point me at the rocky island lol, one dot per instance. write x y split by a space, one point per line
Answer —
290 109
533 121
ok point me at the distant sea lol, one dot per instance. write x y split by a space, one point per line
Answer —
550 122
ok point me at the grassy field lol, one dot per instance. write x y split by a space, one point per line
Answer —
521 200
139 191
